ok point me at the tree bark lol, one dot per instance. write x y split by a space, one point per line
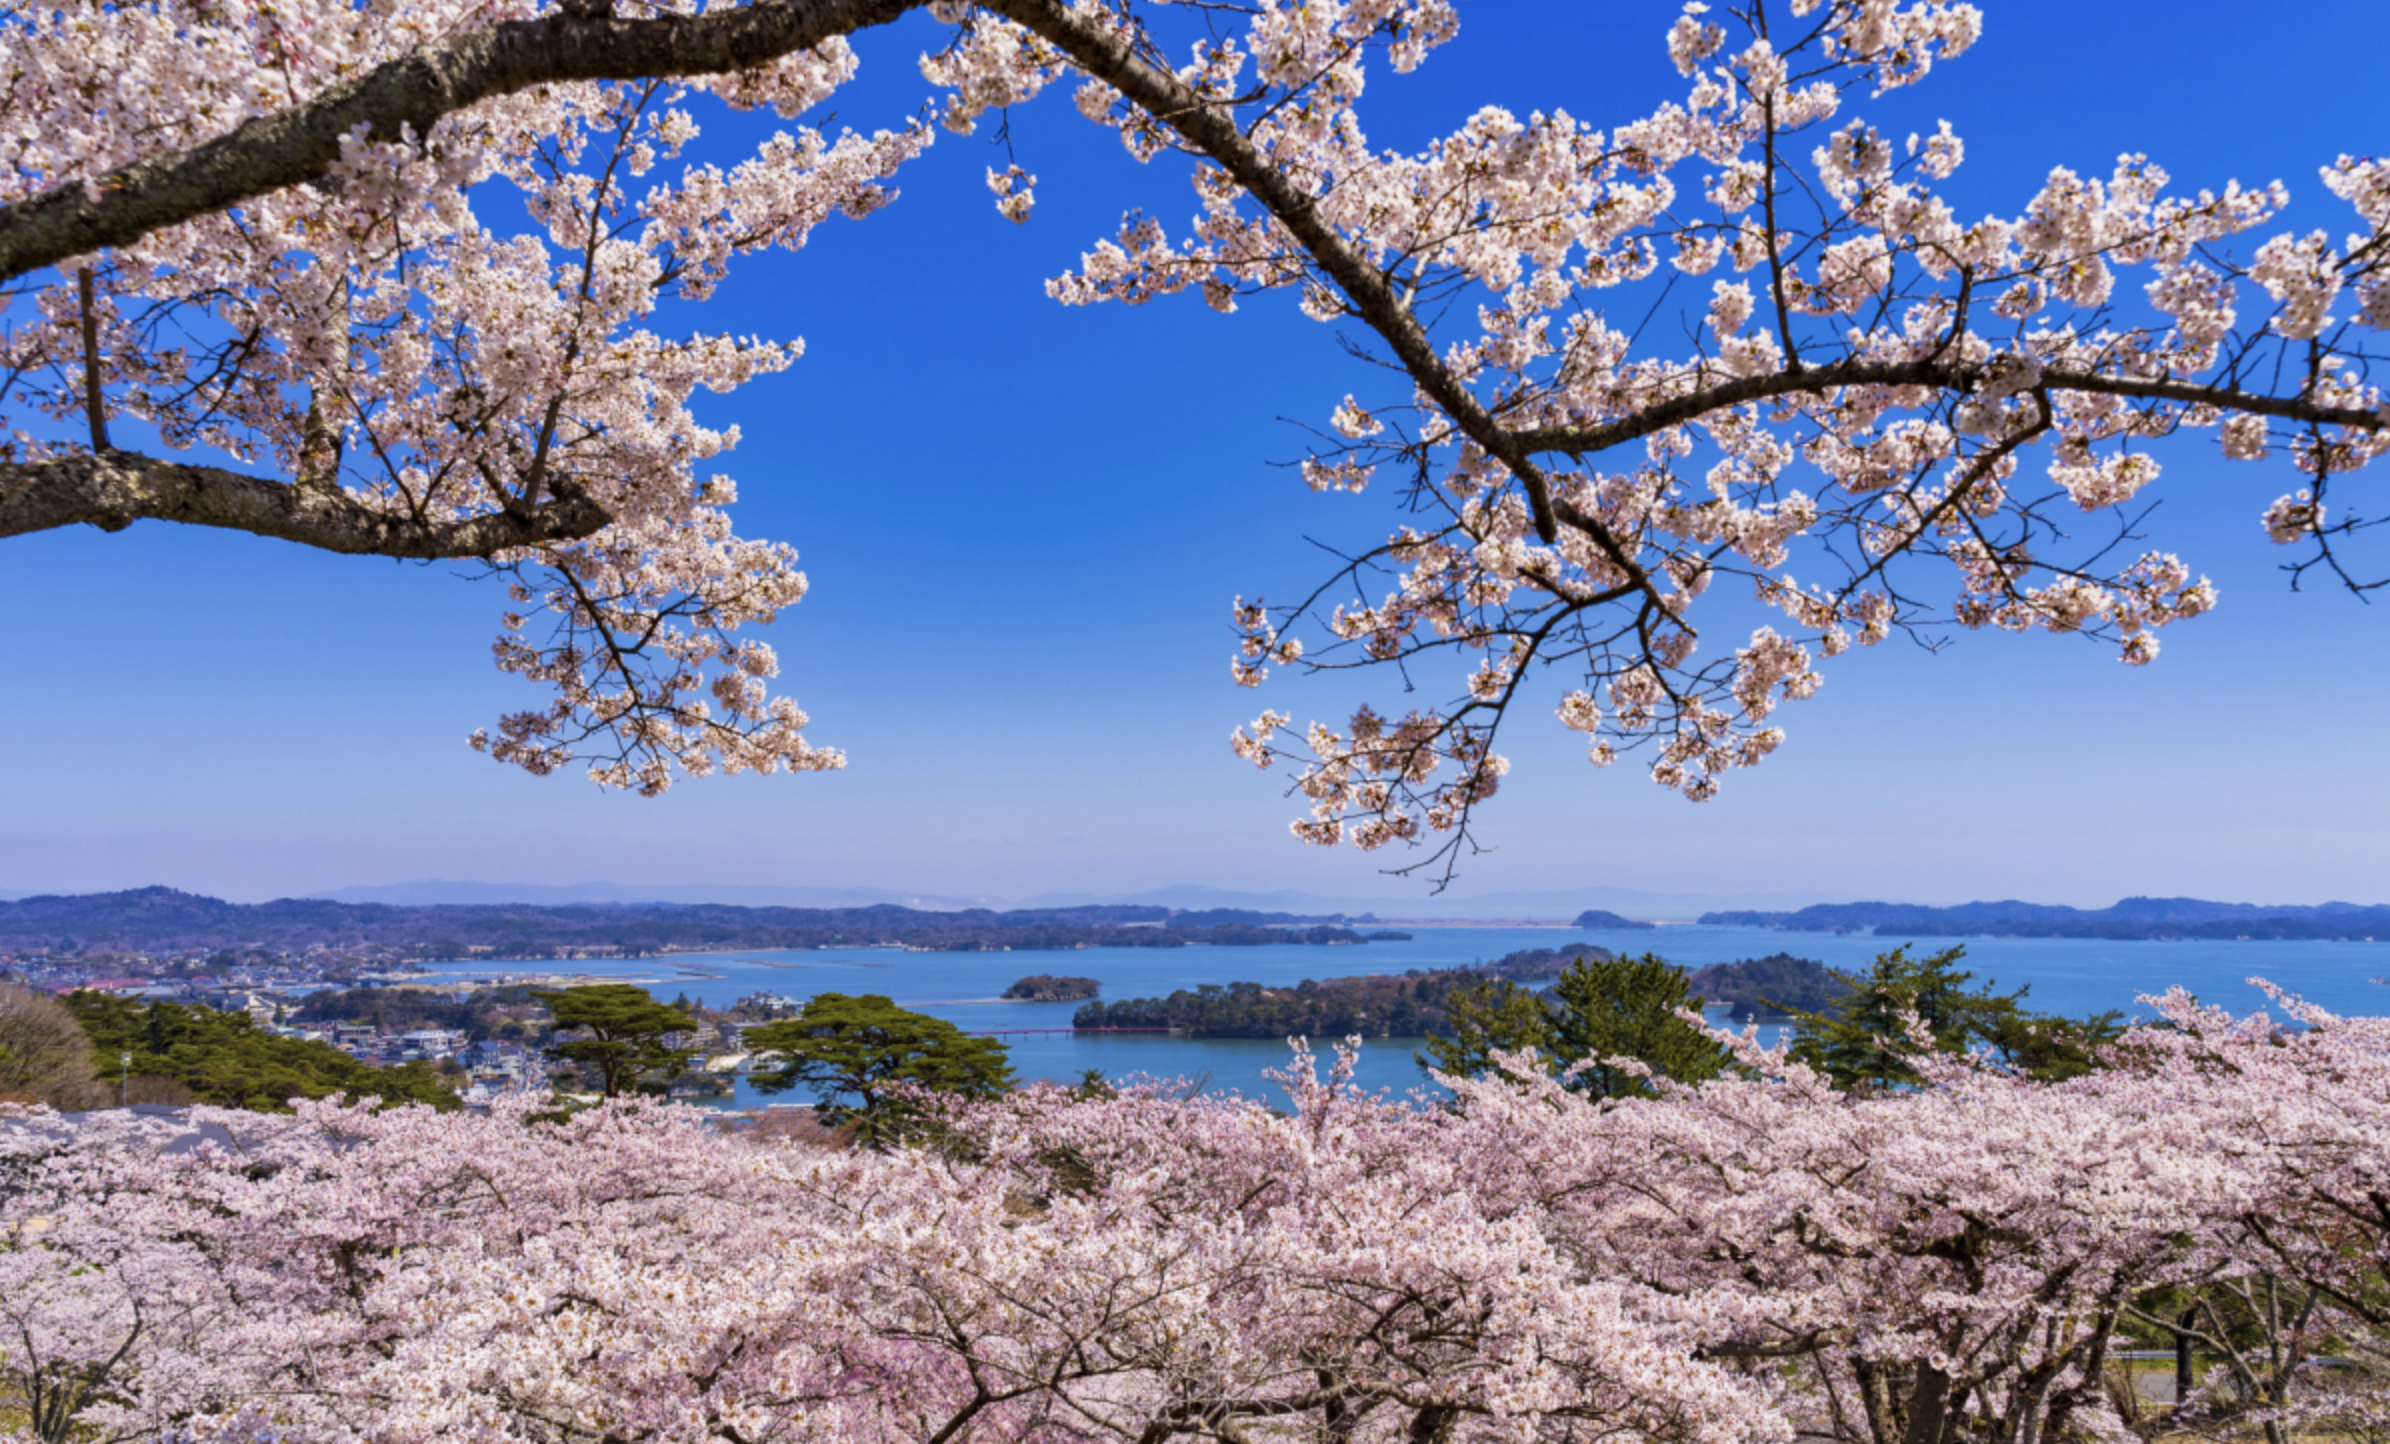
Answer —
114 489
1928 1405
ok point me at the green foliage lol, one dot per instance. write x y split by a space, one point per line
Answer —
1631 1008
1862 1042
869 1049
1601 1008
404 1010
224 1058
624 1035
1486 1016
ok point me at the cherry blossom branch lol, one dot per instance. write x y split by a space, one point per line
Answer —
303 143
1960 376
1208 126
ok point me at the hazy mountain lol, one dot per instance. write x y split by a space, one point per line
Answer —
1556 906
2134 917
433 892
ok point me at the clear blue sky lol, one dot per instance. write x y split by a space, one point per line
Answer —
1024 524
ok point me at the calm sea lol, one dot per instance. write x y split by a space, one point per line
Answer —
2065 976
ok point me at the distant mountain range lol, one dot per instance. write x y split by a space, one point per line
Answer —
2133 918
438 892
528 920
1553 906
160 919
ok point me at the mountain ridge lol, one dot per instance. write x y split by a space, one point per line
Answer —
2128 919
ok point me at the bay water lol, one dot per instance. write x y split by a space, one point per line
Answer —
2069 976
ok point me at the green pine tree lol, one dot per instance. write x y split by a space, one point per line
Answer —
1600 1008
624 1035
867 1049
1485 1016
1862 1041
1630 1008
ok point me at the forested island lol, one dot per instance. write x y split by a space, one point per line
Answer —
1046 988
1604 918
1413 1004
2136 919
159 919
1406 1005
1542 965
1773 987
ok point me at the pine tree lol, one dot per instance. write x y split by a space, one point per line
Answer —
875 1052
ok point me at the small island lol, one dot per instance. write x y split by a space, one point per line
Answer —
1544 965
1770 988
1604 918
1046 988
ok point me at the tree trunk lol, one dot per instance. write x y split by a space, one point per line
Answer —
1928 1405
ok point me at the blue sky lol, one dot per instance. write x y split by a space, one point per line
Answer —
1024 524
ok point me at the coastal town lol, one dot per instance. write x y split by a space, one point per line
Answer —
494 1037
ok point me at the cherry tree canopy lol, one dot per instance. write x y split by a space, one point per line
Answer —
1732 1263
270 230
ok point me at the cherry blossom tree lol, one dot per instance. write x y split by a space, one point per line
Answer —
1739 1260
1199 1269
266 228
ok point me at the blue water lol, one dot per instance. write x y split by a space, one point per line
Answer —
2065 976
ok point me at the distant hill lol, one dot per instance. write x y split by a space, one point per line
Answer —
2133 918
162 919
1771 987
1542 965
432 892
1603 918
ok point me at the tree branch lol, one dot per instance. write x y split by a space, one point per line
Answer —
114 489
1941 375
95 410
413 92
1213 129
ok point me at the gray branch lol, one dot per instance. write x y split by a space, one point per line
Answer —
301 144
114 489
